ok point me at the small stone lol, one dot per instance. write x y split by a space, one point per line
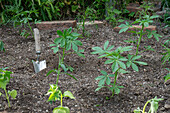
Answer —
167 104
162 108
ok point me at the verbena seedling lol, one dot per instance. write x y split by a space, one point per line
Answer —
4 80
56 94
144 22
153 108
66 41
119 65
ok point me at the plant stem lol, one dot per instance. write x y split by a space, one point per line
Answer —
7 97
61 100
145 106
59 65
116 73
137 49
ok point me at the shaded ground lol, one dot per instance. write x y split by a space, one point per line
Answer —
139 86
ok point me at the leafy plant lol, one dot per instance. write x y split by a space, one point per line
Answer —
4 80
56 94
153 108
166 54
90 14
144 22
2 46
119 64
66 41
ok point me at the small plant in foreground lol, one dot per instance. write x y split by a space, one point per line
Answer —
153 108
144 22
119 65
2 46
56 94
66 40
4 80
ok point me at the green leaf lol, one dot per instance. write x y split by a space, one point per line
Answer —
99 77
111 75
154 16
0 93
51 71
146 24
99 88
61 110
75 34
110 47
74 47
167 77
12 93
115 67
138 110
68 94
102 82
141 63
104 72
117 11
55 49
108 81
120 20
71 76
109 61
136 57
68 46
134 67
78 42
60 33
97 50
117 90
64 67
123 30
121 64
106 44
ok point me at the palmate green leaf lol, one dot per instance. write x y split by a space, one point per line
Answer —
136 57
75 34
121 20
97 50
146 24
154 16
106 44
13 93
78 42
64 67
99 77
111 75
135 67
63 42
117 90
117 11
68 94
110 47
123 71
57 40
68 46
3 84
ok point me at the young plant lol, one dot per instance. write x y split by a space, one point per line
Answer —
119 64
4 80
153 108
56 94
144 22
2 46
66 41
167 77
166 54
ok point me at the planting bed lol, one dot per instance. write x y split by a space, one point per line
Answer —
139 86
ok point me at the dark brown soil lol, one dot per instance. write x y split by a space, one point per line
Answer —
32 88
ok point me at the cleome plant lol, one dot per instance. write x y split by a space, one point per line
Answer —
66 41
143 22
119 64
153 108
56 94
4 80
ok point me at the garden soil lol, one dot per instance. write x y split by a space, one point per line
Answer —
32 88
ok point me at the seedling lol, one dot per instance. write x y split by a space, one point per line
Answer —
119 65
167 77
66 41
153 108
56 94
2 46
144 22
4 80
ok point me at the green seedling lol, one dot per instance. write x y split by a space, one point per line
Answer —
2 46
119 64
144 22
167 77
56 94
66 41
4 80
166 54
153 108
